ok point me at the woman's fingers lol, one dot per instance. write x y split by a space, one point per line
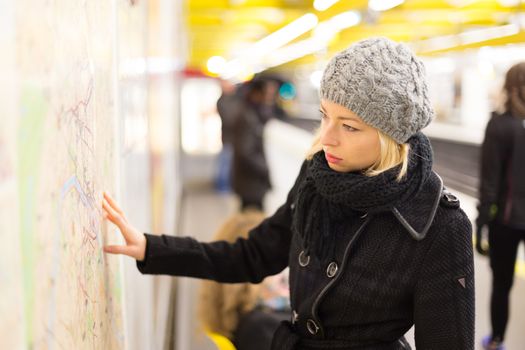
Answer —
135 241
113 203
125 250
117 249
113 216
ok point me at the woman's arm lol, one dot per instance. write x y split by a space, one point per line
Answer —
264 253
444 297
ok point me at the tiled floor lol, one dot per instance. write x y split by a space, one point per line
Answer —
204 211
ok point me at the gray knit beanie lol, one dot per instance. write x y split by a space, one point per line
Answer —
383 83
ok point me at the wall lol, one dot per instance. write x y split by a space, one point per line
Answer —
77 91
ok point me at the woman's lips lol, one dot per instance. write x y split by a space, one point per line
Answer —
332 159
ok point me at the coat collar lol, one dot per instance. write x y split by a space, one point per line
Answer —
417 214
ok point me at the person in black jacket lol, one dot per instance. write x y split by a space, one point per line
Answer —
502 199
250 173
228 106
373 241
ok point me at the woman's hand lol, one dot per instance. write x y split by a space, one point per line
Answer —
482 244
135 241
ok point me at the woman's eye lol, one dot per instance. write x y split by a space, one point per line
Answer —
349 128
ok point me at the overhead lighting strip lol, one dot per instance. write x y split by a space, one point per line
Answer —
321 5
322 35
284 35
383 5
466 38
247 61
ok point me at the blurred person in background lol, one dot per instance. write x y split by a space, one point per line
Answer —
501 209
247 314
272 102
250 173
374 242
228 108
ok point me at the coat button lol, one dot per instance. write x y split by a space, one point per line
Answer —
312 327
295 317
304 259
449 200
331 270
292 206
449 197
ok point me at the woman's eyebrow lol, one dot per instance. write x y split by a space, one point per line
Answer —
340 117
350 118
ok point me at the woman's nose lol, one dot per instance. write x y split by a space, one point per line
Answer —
328 137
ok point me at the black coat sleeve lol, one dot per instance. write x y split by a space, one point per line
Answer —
444 296
263 253
493 158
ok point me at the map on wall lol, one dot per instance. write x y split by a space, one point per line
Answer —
58 152
11 312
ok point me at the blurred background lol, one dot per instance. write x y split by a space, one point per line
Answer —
122 96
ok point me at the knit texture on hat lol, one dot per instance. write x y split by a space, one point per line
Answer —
383 83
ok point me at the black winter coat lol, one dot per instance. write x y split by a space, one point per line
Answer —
381 282
228 107
250 173
503 172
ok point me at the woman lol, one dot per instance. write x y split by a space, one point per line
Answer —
373 242
502 199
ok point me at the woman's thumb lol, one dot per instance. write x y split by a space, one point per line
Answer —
116 249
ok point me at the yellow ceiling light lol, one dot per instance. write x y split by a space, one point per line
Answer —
250 59
321 5
292 52
238 70
326 30
322 35
461 3
284 35
383 5
466 38
315 78
221 28
475 36
216 64
509 3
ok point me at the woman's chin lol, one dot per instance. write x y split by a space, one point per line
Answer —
342 168
337 167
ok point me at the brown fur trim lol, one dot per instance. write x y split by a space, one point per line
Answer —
222 305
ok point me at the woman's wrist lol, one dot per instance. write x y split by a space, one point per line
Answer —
143 242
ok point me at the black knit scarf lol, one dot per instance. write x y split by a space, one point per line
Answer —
327 198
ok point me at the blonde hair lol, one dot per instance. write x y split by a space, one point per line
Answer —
391 155
222 305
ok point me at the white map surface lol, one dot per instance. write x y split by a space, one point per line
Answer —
58 152
11 310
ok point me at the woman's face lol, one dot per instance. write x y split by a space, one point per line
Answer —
348 143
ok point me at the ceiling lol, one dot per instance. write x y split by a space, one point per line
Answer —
226 27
